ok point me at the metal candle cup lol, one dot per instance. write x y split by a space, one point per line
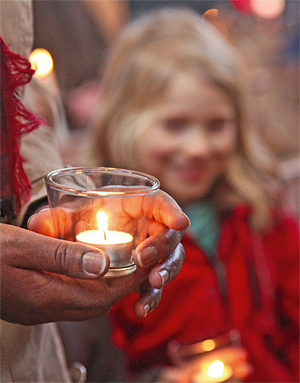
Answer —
117 244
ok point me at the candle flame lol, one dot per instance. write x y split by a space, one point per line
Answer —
41 60
102 223
208 345
216 369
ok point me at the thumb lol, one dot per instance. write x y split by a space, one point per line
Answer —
39 252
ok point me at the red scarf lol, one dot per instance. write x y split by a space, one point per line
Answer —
15 120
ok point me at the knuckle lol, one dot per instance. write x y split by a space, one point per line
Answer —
166 242
174 238
174 262
155 298
178 258
171 242
61 257
181 252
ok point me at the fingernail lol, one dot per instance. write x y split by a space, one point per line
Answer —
94 263
147 310
186 217
164 276
146 256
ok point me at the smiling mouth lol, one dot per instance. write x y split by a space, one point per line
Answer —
191 174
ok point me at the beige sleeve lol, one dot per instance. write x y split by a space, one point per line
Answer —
40 151
16 25
32 354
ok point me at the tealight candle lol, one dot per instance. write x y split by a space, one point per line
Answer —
117 244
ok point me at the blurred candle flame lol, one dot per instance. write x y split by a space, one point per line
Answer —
208 345
102 223
216 369
268 9
41 60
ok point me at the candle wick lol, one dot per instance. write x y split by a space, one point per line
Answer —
104 234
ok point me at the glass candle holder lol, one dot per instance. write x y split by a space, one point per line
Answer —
215 360
106 208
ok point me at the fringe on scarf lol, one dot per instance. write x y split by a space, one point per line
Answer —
16 120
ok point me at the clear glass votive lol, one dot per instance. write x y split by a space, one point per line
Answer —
106 208
216 360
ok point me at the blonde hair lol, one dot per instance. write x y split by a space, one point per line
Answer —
149 53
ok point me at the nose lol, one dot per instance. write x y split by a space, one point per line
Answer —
196 143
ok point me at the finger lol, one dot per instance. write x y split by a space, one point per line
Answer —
148 300
242 370
34 251
43 223
48 297
83 299
160 207
167 211
166 270
159 245
54 222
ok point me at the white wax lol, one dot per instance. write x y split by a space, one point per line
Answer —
95 237
117 244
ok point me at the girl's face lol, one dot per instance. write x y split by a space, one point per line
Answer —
188 145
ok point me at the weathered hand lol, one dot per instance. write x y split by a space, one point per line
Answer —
159 257
45 279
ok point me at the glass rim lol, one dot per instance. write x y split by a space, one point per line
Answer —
100 194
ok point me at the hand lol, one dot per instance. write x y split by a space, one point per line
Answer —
45 279
195 370
161 249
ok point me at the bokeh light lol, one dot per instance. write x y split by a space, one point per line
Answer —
42 62
268 9
215 369
208 345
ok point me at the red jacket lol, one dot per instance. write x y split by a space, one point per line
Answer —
262 304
